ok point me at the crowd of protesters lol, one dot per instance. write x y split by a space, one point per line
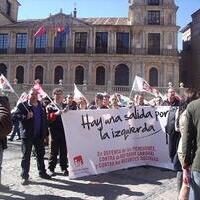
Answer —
36 121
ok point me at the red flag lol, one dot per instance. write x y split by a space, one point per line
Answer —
41 31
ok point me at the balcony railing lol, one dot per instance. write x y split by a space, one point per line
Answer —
112 50
3 51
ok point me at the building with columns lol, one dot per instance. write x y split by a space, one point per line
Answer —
99 53
190 59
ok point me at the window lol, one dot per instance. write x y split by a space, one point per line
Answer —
39 73
100 76
8 8
20 74
101 42
40 43
3 43
60 42
154 17
153 2
121 75
21 42
80 42
79 75
154 43
122 43
153 77
58 75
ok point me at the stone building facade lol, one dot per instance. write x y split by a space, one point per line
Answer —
98 53
190 55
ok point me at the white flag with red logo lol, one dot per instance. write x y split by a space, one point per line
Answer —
139 84
5 85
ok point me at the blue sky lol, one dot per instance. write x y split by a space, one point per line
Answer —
36 9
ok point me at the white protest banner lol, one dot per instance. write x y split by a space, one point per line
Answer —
100 141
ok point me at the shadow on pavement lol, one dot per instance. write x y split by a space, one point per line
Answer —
19 196
109 192
133 176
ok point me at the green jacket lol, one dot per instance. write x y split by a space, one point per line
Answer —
191 137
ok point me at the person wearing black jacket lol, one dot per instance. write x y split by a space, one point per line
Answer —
33 117
57 134
173 136
5 128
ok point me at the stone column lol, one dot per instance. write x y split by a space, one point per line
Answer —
70 73
49 72
144 40
142 70
113 43
176 73
50 41
90 41
9 73
110 74
132 74
161 75
31 41
90 74
26 72
109 82
12 42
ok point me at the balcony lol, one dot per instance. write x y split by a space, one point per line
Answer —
101 50
3 51
112 51
59 50
20 50
39 50
122 51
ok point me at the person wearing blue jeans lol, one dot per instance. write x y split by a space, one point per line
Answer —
194 185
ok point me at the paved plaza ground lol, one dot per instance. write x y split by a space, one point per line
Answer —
141 183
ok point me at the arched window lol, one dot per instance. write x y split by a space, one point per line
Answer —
79 75
39 73
121 75
153 77
58 74
20 74
3 69
100 76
